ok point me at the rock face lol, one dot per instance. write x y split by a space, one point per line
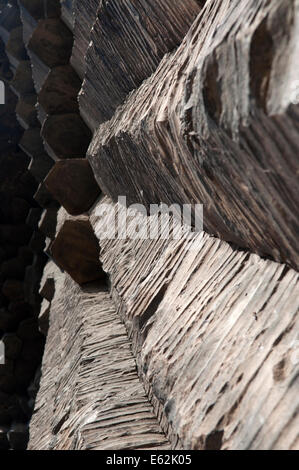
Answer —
76 250
216 357
130 38
152 340
85 419
201 136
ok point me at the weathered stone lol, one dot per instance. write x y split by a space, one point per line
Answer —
34 385
4 444
22 82
51 42
13 345
213 329
18 436
26 111
32 279
120 417
66 135
47 284
81 17
72 184
130 38
40 166
59 92
9 20
40 71
67 13
48 222
43 319
76 250
47 289
33 217
44 198
37 242
15 47
200 136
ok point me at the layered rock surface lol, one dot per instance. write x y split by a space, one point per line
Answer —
21 262
215 125
195 345
87 345
218 360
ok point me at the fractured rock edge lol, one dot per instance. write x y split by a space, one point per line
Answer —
213 434
218 359
87 345
194 132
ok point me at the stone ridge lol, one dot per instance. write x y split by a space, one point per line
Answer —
90 397
218 358
150 344
196 131
21 252
127 42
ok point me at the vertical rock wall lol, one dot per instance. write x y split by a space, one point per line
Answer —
194 344
21 254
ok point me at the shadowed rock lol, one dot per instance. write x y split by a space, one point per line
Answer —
47 223
22 82
15 49
66 135
52 42
44 198
76 250
13 289
9 20
26 111
41 8
72 184
59 92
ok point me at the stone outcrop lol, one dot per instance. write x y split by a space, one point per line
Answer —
202 136
130 37
217 359
170 342
109 409
18 322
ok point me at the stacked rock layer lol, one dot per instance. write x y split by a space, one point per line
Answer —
151 343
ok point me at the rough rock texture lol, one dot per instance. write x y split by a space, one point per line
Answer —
190 343
215 126
108 408
18 321
218 360
72 184
127 42
75 249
